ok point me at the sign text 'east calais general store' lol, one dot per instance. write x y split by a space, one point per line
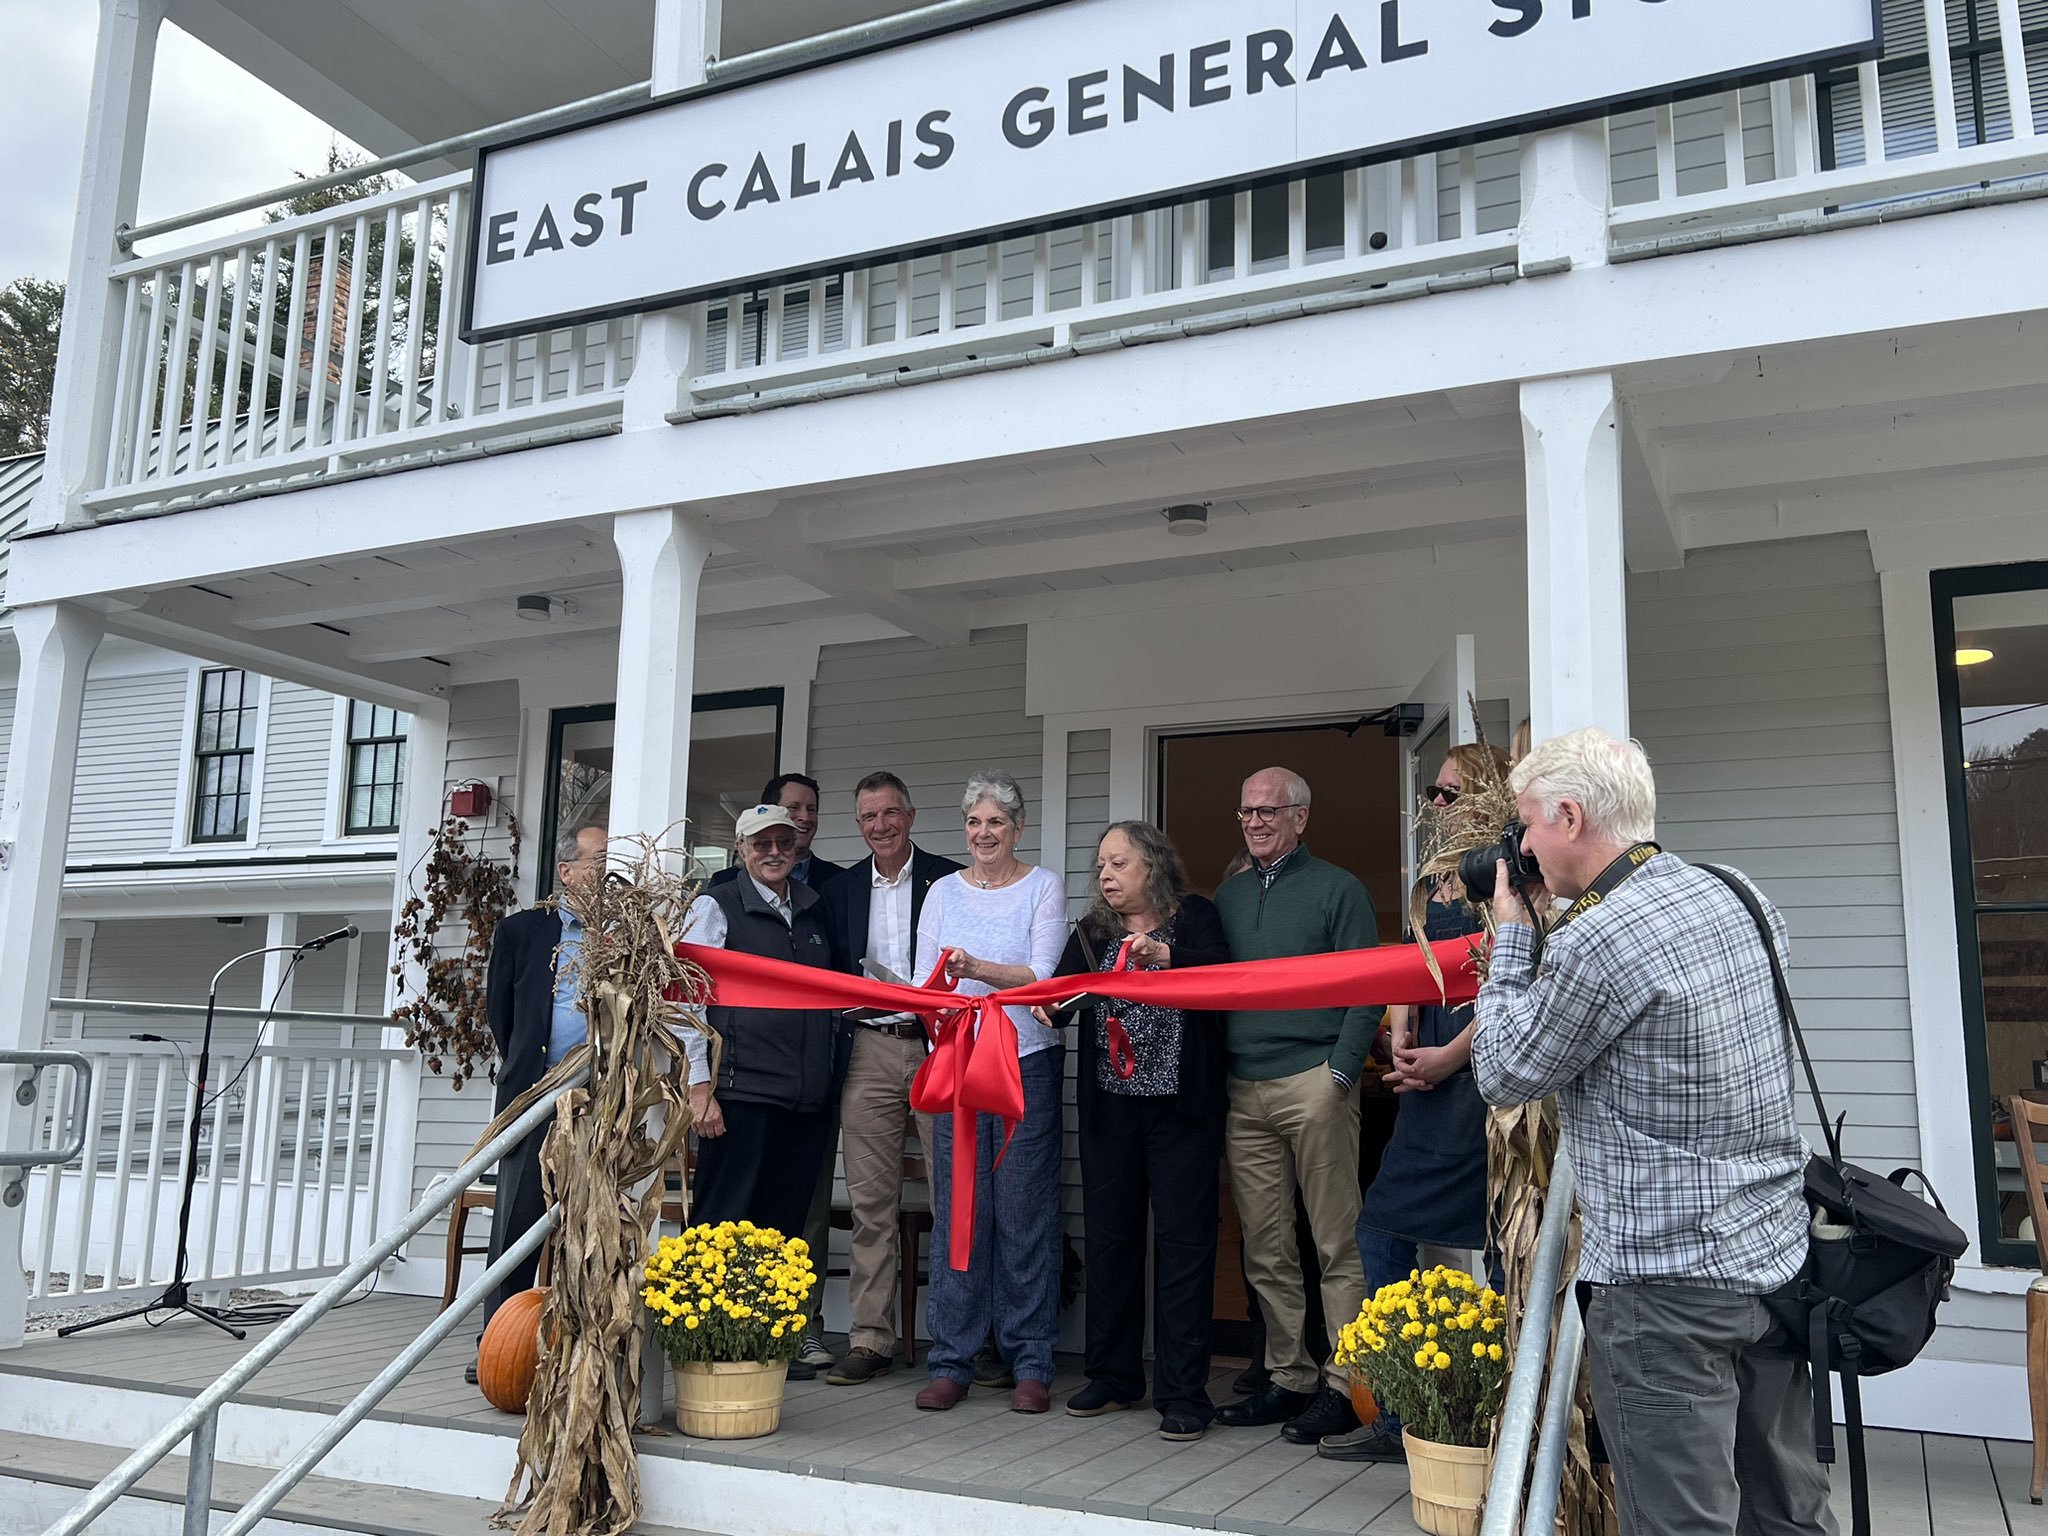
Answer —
1064 111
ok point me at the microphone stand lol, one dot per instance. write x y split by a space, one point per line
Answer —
177 1296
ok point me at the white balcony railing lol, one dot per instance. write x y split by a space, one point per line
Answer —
289 1183
325 344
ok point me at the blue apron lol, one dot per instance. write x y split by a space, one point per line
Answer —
1431 1185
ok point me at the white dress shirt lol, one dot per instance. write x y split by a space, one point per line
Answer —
892 941
707 926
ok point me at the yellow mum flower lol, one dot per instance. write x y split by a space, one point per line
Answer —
1479 1351
1422 1357
1493 1352
691 1322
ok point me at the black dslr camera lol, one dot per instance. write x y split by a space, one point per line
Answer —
1476 868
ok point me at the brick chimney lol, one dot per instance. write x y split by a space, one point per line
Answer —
337 319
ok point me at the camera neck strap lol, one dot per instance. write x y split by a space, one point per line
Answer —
1829 1130
1607 882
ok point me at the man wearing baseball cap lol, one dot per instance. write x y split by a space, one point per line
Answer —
764 1126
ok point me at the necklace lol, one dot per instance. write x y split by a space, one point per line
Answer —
1016 871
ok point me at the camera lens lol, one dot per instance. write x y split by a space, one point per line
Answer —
1476 869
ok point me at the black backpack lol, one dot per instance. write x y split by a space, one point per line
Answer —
1877 1268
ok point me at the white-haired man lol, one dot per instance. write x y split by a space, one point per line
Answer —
1649 1009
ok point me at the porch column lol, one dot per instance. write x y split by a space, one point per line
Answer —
661 555
669 346
56 642
1578 600
1567 194
82 397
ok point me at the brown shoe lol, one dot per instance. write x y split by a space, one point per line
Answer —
941 1394
859 1365
1031 1397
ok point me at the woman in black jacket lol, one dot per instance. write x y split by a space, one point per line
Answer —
1152 1099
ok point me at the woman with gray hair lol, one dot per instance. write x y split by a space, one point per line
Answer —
999 923
1152 1099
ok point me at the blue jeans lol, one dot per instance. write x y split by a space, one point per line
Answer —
1012 1283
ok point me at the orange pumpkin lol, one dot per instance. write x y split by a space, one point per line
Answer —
1362 1401
510 1350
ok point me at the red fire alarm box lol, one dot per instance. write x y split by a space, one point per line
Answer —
471 801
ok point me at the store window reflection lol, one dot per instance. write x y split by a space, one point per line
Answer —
735 743
1994 644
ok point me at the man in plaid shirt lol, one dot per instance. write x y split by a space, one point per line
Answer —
1650 1012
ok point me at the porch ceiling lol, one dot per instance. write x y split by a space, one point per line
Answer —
394 73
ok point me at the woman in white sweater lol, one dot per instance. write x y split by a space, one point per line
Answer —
999 923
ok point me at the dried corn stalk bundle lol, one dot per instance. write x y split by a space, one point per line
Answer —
577 1472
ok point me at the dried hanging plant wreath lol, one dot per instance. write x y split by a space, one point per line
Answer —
444 1020
1521 1141
578 1473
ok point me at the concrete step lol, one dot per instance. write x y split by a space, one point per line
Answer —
41 1478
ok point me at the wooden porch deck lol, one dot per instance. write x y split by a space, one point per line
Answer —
1242 1481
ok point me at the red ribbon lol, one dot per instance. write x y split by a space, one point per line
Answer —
1123 1058
973 1066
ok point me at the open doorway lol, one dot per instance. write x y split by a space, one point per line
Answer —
1355 782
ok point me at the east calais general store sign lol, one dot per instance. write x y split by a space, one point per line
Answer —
1069 110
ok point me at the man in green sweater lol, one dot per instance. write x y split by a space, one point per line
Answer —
1293 1120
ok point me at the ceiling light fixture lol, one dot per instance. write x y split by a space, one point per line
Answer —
1190 520
534 608
1971 656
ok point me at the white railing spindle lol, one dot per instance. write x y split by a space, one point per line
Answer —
2012 48
88 1183
124 1168
231 391
323 339
387 304
344 427
260 363
202 377
327 1107
122 417
158 1127
1870 97
1940 65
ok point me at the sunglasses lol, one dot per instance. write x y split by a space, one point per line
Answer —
1441 794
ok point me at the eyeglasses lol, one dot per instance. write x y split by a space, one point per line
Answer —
1441 794
1247 814
772 844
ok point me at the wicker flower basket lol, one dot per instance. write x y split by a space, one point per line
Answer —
730 1400
1446 1486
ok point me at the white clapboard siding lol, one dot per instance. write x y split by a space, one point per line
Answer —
130 735
1758 688
483 743
298 755
1087 812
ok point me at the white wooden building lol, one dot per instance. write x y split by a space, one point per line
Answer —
1717 423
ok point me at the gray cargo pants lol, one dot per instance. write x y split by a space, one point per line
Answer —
1708 1435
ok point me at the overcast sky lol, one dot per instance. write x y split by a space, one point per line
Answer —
214 131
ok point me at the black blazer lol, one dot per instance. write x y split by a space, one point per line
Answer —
1204 1091
519 997
823 872
846 905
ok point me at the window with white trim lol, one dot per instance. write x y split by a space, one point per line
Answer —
224 756
376 769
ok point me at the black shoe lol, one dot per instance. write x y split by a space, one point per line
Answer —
1330 1413
1371 1443
798 1371
1095 1399
1253 1378
860 1365
989 1371
1182 1426
1275 1405
469 1373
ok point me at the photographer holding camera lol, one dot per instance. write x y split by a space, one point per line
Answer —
1648 1008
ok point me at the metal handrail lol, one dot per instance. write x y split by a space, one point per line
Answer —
1532 1356
25 1093
199 1420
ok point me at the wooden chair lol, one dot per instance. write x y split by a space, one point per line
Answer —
2029 1117
478 1197
913 1221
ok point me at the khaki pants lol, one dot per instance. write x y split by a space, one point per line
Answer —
875 1122
1283 1134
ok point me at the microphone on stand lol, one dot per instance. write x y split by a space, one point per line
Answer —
339 936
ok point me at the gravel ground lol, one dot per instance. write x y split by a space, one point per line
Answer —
50 1322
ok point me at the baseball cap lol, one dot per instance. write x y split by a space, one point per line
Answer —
762 817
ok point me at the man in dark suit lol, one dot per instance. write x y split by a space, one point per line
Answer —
536 1019
796 793
873 911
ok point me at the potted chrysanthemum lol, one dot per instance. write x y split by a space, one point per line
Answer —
1429 1348
728 1304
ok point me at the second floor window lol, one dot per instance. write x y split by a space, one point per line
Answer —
224 776
376 768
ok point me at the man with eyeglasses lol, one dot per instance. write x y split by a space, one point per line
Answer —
764 1126
1293 1119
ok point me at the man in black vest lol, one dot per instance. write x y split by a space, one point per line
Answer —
765 1126
873 909
536 1018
